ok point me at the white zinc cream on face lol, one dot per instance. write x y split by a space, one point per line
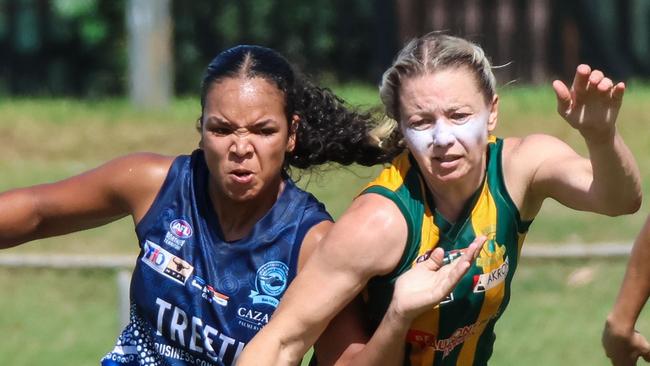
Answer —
472 133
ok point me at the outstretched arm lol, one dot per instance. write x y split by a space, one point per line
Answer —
623 345
368 240
609 181
416 290
118 188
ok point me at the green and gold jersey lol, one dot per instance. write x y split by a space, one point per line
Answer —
460 331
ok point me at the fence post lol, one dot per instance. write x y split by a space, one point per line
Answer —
123 284
150 57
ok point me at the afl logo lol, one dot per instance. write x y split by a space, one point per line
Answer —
180 229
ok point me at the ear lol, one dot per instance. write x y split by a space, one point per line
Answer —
199 128
494 112
293 127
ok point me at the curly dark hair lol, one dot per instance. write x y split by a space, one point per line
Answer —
329 129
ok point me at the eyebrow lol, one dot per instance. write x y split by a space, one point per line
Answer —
262 123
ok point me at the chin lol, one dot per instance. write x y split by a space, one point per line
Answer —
242 195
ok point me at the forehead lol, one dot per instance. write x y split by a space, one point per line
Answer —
241 94
445 88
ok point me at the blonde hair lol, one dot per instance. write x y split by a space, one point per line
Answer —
429 53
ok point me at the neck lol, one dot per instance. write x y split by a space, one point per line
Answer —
451 197
237 218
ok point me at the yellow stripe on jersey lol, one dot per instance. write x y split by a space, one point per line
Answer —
392 177
491 257
426 325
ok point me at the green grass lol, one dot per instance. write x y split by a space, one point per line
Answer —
58 317
69 317
550 322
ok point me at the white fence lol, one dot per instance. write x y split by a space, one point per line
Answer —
123 265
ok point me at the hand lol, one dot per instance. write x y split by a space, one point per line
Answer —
592 104
430 281
624 348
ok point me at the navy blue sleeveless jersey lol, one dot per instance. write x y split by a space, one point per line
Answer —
195 298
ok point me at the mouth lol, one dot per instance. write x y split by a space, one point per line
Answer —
447 161
446 158
241 175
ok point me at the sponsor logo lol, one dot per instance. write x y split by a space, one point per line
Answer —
445 345
194 334
208 292
179 231
166 263
447 258
270 283
252 318
180 228
491 279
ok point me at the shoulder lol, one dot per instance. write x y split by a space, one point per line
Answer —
530 161
137 178
138 170
534 147
371 234
524 155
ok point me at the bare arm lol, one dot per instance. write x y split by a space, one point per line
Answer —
368 240
623 345
416 290
123 186
609 181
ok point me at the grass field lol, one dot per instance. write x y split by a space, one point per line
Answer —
69 317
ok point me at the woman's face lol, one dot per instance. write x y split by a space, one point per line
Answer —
245 136
445 122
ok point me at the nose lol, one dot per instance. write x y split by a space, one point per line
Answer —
443 135
241 146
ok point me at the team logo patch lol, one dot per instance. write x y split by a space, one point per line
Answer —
270 283
166 263
491 255
179 231
491 279
209 293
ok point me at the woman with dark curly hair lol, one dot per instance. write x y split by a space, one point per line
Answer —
223 231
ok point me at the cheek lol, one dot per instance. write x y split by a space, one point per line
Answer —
473 133
418 140
271 151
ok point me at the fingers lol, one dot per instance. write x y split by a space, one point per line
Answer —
595 79
435 260
617 93
478 243
581 79
461 264
563 97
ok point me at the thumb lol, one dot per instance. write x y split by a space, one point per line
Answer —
563 95
643 346
435 260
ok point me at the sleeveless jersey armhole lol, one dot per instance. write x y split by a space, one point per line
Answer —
497 148
148 218
413 237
